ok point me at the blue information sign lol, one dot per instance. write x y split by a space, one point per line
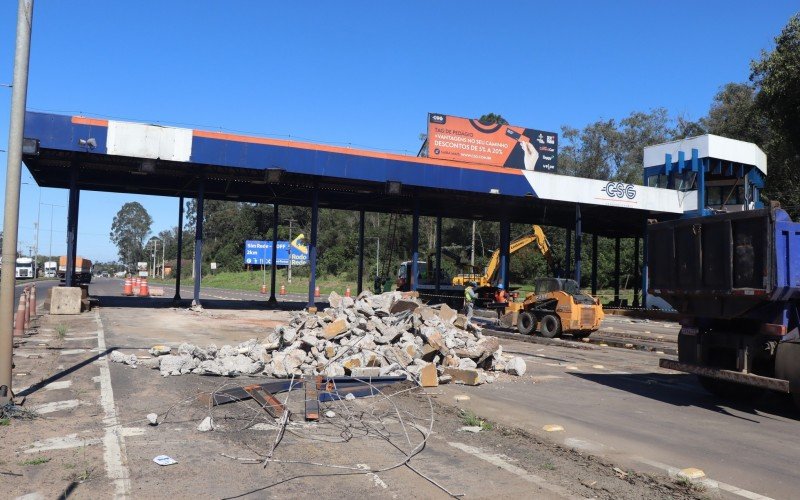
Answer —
260 253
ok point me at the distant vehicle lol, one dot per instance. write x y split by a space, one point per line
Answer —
120 274
24 268
82 271
104 274
50 269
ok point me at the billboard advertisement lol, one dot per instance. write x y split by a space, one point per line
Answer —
469 140
260 252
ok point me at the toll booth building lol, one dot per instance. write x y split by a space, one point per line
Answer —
728 175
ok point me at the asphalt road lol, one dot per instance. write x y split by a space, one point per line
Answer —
618 403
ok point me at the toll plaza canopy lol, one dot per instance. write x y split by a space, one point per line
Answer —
125 157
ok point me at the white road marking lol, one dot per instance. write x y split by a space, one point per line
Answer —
81 338
68 352
61 443
583 445
708 483
133 431
375 479
113 440
517 471
62 384
57 406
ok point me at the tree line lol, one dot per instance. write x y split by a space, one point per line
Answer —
764 110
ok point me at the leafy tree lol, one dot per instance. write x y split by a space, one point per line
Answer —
491 118
129 229
734 114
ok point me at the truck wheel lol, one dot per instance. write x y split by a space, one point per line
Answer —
551 326
526 323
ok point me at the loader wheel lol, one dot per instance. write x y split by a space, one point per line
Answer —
526 323
551 326
581 334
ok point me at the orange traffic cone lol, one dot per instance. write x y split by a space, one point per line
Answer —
283 290
127 287
263 288
32 304
27 295
144 291
19 319
316 291
347 292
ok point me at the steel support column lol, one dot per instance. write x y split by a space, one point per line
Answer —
198 242
594 264
636 272
178 264
274 262
72 226
578 237
438 273
568 254
312 247
360 283
644 266
505 242
415 247
616 271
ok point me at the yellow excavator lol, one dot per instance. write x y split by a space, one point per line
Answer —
488 278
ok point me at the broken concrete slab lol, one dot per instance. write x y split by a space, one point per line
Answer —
65 300
467 376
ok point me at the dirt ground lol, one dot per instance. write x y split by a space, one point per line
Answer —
405 443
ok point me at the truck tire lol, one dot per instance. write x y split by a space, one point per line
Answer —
550 326
526 323
582 334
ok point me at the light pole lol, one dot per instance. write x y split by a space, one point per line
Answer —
290 221
52 206
155 240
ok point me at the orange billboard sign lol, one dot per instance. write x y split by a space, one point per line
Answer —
469 140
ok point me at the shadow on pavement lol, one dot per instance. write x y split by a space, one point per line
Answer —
684 390
168 302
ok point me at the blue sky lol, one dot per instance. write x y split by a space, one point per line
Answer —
364 73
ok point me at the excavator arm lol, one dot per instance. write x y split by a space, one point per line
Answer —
535 236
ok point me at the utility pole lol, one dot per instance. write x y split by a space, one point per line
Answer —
19 96
472 254
290 221
36 258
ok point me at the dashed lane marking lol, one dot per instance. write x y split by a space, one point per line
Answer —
513 469
69 352
61 443
56 406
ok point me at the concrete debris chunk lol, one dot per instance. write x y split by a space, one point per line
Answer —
152 418
207 425
392 333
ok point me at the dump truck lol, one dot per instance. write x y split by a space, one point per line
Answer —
556 306
735 280
82 271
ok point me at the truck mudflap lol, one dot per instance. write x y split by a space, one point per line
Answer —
773 384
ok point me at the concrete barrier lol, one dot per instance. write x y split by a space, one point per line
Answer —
65 300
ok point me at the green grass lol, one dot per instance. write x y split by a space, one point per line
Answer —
468 418
548 466
61 330
36 461
5 421
252 280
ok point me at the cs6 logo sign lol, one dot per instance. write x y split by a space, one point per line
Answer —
619 190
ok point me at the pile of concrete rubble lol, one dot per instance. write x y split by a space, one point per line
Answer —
369 336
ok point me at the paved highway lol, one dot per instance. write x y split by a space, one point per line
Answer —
618 403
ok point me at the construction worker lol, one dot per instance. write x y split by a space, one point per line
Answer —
469 300
501 296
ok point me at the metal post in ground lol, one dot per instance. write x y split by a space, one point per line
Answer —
72 226
178 266
415 247
360 284
616 272
438 273
636 272
505 242
274 263
198 242
645 255
13 179
312 248
594 264
578 241
568 254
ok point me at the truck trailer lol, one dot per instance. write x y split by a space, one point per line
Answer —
83 269
734 278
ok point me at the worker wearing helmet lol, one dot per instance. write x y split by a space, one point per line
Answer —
501 296
469 300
